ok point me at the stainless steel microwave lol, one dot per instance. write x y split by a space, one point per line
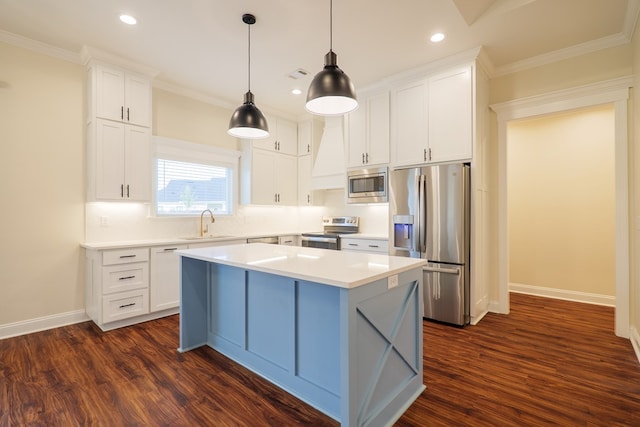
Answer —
367 185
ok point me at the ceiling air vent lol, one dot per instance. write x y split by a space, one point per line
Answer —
298 74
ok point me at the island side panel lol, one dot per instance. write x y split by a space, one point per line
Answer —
283 329
381 338
193 303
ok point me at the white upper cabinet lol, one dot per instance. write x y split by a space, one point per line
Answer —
268 178
123 96
283 136
432 119
305 138
305 195
121 163
368 132
409 124
450 115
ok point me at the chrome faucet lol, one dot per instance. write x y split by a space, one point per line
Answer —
202 215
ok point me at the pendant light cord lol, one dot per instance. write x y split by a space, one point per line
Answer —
249 59
331 26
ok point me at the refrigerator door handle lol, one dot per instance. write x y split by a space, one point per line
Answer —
455 271
422 218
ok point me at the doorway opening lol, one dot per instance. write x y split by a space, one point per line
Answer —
561 205
615 92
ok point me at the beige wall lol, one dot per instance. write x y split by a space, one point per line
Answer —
561 201
179 117
41 185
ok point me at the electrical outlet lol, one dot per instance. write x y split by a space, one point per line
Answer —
392 281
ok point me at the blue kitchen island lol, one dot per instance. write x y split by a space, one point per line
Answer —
342 331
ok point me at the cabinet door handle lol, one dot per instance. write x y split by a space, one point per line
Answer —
363 158
127 277
367 158
424 156
308 148
275 197
429 154
121 190
127 256
278 197
308 198
128 305
127 190
122 112
128 119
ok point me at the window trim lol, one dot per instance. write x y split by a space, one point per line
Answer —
193 152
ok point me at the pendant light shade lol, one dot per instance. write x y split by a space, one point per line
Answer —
331 92
247 121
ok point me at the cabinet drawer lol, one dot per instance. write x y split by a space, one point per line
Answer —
117 278
124 305
123 256
365 245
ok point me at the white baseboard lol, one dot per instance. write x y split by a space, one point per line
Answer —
42 323
635 341
576 296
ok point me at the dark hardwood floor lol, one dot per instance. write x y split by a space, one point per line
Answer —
549 362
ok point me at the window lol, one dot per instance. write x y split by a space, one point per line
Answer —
189 178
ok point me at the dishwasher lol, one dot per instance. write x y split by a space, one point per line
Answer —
270 240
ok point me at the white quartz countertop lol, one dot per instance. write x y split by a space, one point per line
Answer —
335 268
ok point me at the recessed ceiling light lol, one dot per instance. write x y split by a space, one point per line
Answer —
128 19
437 37
296 91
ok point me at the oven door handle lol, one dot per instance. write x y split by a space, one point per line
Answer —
318 239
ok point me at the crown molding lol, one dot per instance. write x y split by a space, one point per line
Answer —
624 37
562 54
88 53
40 47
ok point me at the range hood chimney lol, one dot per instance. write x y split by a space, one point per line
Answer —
329 167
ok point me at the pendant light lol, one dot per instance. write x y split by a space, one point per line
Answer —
331 92
247 120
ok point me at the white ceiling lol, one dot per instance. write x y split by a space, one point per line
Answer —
201 45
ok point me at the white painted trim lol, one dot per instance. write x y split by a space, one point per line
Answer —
635 342
40 47
42 323
563 294
614 91
476 319
562 54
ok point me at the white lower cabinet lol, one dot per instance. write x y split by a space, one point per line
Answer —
117 285
355 244
164 291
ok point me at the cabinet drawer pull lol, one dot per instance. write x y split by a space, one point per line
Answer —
170 249
352 244
128 305
127 256
374 246
127 277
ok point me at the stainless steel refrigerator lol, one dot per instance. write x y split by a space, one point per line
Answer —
430 219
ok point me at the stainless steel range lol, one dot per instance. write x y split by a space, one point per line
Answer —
333 227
